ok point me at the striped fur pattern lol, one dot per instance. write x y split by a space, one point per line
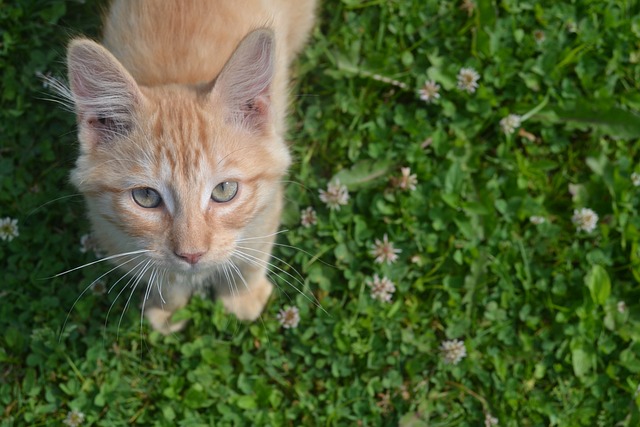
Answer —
183 103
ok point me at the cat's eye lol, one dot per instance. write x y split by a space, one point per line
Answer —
146 197
225 191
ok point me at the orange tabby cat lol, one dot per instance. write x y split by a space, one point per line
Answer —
181 119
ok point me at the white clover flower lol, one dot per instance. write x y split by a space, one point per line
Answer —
8 229
622 307
510 123
453 351
382 289
468 79
335 196
468 6
490 420
537 220
99 287
384 402
539 36
406 181
289 317
383 251
585 219
574 189
308 217
429 91
74 418
635 179
88 242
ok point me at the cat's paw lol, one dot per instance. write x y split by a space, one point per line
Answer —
161 321
249 304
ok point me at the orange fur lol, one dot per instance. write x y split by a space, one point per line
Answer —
188 95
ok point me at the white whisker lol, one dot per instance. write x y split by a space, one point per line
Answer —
237 270
228 275
262 237
141 274
272 256
313 259
125 275
152 277
53 201
141 251
159 286
66 319
134 275
265 264
256 264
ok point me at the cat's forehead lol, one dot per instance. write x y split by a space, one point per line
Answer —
183 139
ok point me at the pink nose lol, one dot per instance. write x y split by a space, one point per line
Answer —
190 258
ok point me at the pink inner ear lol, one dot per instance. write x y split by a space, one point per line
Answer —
256 112
244 84
105 94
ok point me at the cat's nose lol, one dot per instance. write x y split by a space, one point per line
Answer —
190 258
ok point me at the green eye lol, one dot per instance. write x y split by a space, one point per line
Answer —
146 197
224 191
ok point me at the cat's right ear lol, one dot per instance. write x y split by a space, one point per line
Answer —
104 93
244 84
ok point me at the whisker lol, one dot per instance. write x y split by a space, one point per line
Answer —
232 277
141 274
274 257
141 251
263 237
262 263
307 189
159 286
106 320
125 275
53 201
313 259
66 319
228 275
237 270
254 263
257 261
152 277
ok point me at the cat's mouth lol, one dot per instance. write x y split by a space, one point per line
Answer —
191 263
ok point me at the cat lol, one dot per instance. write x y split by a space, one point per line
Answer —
181 122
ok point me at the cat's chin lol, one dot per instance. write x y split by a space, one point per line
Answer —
186 268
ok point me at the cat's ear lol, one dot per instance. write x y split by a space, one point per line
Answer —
104 93
244 84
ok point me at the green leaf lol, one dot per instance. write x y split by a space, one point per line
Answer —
613 121
246 402
582 358
363 173
599 284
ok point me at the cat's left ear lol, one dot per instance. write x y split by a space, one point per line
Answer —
244 84
105 95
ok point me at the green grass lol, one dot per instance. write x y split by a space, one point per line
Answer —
537 306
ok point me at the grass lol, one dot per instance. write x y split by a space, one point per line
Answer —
548 314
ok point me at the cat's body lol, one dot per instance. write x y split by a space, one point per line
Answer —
182 151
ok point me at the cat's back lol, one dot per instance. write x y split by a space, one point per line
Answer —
188 42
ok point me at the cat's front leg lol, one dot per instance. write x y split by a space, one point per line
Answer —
162 303
248 302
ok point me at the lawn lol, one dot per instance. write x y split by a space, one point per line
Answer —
460 240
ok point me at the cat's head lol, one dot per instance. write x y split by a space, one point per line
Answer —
182 171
